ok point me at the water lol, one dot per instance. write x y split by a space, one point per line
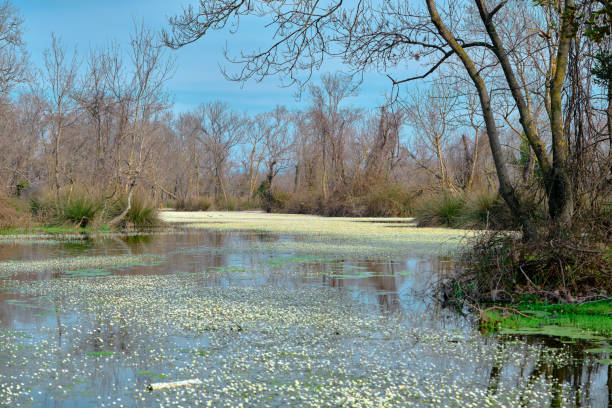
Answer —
260 326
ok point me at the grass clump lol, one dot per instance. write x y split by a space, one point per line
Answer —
79 210
142 214
445 210
485 210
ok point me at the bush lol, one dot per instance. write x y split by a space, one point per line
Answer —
79 210
200 203
43 209
388 201
441 210
500 266
485 210
76 207
305 202
13 214
142 214
383 200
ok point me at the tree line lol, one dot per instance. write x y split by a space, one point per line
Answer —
514 99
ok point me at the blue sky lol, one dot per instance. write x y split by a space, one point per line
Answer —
89 23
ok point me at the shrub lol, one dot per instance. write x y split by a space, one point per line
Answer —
80 209
227 204
43 209
440 210
13 214
388 200
500 266
200 203
383 200
141 214
485 210
305 202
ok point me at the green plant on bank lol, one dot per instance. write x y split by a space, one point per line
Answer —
549 319
484 210
501 266
49 230
444 209
271 199
141 214
75 207
79 210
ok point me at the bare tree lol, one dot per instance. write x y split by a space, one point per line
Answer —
13 57
94 98
387 35
330 122
60 74
278 142
430 115
141 98
253 150
219 129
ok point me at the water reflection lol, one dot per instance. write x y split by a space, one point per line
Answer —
390 286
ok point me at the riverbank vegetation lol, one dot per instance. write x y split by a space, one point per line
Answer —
507 130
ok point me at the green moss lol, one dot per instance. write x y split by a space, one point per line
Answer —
587 321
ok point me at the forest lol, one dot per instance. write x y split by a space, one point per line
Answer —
448 245
505 129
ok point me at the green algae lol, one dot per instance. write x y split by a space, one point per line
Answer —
100 353
89 272
587 321
196 352
150 374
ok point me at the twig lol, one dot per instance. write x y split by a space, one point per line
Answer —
507 309
590 251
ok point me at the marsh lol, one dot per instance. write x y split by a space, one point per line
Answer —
266 310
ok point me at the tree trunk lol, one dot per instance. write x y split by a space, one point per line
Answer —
58 137
118 219
505 187
556 178
560 199
609 114
296 178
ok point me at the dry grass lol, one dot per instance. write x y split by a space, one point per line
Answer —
11 216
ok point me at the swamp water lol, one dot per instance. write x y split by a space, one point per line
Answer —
264 317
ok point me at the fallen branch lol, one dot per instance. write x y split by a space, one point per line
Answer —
173 384
506 309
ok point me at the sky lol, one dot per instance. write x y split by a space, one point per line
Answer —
198 79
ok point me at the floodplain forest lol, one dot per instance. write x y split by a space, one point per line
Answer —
325 253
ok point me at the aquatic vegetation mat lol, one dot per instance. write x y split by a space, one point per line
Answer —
108 338
77 265
330 235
